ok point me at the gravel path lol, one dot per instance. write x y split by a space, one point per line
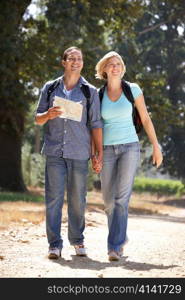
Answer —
156 248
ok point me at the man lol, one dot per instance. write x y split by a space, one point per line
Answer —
67 149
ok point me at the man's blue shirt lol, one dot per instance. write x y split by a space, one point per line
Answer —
64 137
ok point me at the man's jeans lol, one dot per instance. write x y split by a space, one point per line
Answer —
117 177
72 173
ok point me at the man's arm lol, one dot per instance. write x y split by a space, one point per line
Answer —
45 113
96 131
51 113
96 149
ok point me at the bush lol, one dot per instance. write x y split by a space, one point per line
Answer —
159 186
33 167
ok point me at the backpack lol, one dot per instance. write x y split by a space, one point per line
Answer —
128 93
84 88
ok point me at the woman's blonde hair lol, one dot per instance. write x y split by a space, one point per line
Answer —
100 74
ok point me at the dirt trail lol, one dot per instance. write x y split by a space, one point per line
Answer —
156 248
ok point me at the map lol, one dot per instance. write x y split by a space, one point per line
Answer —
70 109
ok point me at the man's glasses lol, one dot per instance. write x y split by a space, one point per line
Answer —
79 59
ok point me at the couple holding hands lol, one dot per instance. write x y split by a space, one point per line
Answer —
105 134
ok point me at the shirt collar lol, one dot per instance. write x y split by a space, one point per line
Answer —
81 81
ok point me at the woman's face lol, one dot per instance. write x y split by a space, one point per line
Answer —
113 68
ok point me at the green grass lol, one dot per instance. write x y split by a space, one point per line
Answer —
161 187
10 196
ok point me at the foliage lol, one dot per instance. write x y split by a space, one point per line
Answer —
33 167
10 196
84 23
163 56
159 186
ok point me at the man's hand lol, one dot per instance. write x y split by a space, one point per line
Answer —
96 164
51 113
54 112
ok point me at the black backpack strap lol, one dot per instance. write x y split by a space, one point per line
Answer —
86 91
135 114
52 87
127 91
101 92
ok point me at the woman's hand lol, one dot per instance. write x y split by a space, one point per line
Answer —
96 164
157 156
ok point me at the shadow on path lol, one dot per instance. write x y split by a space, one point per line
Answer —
91 264
159 217
171 202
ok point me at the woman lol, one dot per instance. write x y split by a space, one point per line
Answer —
121 148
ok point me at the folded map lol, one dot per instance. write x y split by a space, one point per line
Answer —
70 109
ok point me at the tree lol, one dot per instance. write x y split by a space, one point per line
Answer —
87 24
12 94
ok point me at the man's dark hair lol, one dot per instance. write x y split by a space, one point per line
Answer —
68 50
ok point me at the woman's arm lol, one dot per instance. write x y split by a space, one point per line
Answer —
157 156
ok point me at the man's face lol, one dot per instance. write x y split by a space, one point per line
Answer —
73 62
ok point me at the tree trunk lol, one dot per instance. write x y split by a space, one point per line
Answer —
10 163
12 94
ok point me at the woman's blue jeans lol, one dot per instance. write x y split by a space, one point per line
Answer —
61 172
117 177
